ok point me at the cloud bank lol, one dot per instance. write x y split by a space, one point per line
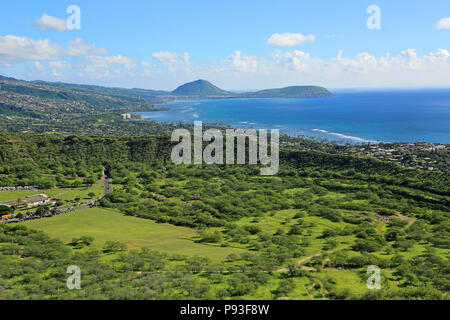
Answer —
48 22
289 39
16 48
444 23
82 62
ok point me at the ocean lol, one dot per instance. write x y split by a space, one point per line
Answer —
349 116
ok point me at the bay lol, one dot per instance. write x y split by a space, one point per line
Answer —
349 116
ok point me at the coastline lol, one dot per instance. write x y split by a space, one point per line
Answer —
337 122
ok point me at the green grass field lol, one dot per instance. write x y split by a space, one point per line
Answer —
64 194
103 225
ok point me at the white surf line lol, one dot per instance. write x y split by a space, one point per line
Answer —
342 135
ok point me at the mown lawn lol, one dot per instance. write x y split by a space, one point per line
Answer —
104 225
64 194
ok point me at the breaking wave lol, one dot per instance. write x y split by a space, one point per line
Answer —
343 136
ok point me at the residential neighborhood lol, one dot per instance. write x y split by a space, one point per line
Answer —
416 155
419 155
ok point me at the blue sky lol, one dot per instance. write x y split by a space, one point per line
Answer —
161 44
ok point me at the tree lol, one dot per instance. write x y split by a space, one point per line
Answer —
42 210
239 285
213 237
114 246
404 245
295 230
81 242
366 245
87 240
253 229
89 181
330 244
284 288
5 210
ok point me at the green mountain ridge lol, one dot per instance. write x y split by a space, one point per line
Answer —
196 89
203 88
290 92
200 88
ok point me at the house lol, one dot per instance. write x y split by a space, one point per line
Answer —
30 201
37 200
9 203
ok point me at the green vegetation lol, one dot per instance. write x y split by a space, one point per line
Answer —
62 108
290 92
217 232
65 108
105 226
68 194
201 88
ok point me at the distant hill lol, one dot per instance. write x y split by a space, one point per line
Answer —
290 92
195 89
201 88
7 78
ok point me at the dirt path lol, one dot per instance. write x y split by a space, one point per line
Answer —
398 217
405 218
303 260
386 219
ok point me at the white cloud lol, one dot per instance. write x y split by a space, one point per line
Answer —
101 67
39 66
79 47
444 23
292 60
362 63
289 39
58 65
237 71
439 55
408 59
19 49
16 48
242 63
120 60
365 69
56 68
173 61
48 22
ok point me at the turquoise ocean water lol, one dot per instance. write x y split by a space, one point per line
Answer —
352 116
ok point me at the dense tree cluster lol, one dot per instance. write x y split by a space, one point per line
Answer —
341 213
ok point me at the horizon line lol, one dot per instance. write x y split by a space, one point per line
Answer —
368 88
